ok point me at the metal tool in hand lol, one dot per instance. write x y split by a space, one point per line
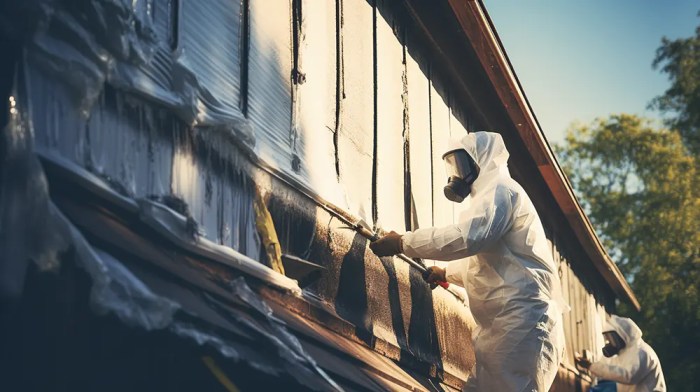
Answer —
364 229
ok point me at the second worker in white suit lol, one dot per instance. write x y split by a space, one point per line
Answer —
500 254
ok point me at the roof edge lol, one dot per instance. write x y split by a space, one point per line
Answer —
494 61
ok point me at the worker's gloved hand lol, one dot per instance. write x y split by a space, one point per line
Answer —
388 245
582 361
433 275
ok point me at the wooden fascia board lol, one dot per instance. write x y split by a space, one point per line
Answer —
477 27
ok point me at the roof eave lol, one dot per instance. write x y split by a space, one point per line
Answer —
494 61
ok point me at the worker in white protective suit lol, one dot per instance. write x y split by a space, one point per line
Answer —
629 360
499 254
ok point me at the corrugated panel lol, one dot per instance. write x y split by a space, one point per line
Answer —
129 144
390 158
237 218
316 98
194 184
219 197
214 52
440 124
165 15
56 121
356 131
420 143
270 68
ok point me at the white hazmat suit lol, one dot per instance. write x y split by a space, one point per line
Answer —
636 367
501 257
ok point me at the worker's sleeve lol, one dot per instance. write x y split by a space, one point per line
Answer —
625 373
483 224
456 272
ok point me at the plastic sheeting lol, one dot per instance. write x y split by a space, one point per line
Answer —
25 233
128 143
129 44
116 289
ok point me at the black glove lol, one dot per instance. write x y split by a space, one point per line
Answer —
434 274
388 245
582 361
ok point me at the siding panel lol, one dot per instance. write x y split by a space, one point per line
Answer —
443 211
420 144
356 131
390 158
315 105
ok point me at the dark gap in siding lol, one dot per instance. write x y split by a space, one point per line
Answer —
296 37
174 16
245 55
375 212
408 204
430 127
339 80
298 78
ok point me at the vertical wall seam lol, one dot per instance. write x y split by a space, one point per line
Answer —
408 204
174 39
339 81
297 78
432 158
375 211
245 56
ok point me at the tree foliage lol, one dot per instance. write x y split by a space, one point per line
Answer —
680 60
640 188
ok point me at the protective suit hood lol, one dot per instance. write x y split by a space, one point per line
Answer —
626 328
500 254
636 368
490 154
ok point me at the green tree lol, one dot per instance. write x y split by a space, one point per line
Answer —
640 188
680 60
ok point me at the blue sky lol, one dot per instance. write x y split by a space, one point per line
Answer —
578 60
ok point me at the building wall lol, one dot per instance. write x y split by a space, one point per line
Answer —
590 302
312 103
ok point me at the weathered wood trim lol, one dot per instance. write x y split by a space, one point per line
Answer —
480 33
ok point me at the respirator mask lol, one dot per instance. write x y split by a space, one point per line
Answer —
462 171
613 343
